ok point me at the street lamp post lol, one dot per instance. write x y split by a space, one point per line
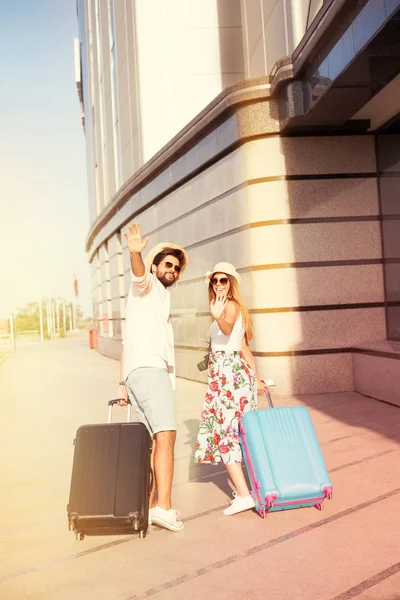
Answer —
41 321
75 288
12 331
71 326
49 320
64 316
58 315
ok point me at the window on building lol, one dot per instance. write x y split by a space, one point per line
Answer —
313 8
114 95
102 108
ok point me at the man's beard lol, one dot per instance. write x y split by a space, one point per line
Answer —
166 281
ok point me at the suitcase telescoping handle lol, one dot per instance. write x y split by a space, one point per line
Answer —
269 384
113 402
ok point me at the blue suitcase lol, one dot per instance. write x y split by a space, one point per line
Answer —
283 459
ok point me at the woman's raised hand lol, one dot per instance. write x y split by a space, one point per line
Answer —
134 238
217 306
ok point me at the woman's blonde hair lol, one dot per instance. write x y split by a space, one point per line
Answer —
235 295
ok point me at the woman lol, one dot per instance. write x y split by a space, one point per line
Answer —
232 382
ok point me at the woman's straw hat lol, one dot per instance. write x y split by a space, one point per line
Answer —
223 267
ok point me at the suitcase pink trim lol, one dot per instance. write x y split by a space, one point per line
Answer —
270 501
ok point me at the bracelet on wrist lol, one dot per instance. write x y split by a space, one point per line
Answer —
122 383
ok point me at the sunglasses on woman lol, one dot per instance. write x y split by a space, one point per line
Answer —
223 281
169 265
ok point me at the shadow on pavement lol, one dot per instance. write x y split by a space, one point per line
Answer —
217 474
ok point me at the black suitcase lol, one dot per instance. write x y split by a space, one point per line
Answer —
111 479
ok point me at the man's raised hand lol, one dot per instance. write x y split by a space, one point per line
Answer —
134 239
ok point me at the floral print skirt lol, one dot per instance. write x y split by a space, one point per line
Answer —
230 394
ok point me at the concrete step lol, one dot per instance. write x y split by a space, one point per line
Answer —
376 370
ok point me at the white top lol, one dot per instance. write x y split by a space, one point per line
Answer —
227 343
149 337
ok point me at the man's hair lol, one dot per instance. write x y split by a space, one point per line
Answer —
169 252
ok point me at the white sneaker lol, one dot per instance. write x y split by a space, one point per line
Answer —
167 518
151 512
239 504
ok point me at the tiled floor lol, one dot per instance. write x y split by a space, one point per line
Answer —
350 550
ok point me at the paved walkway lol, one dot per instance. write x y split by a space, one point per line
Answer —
351 550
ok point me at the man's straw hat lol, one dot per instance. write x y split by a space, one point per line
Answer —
150 256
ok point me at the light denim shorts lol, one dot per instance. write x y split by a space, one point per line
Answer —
150 391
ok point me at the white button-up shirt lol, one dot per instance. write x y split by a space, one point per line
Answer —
149 337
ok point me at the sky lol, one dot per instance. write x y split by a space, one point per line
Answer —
44 215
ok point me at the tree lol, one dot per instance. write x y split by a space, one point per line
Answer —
27 318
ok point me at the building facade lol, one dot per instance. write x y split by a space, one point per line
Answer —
264 133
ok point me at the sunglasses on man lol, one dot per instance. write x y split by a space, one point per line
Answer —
169 265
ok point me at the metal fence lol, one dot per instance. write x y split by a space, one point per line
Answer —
27 338
6 344
21 340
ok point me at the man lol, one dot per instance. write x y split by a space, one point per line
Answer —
148 361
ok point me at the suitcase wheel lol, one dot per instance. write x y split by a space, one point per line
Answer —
80 536
142 534
134 517
72 517
318 506
261 513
